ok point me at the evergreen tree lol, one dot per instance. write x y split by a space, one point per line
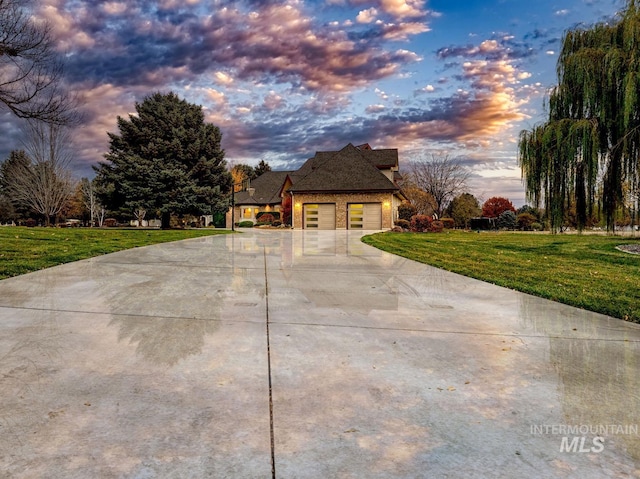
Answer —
166 159
594 123
262 167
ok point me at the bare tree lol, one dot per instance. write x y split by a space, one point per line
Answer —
90 200
44 184
442 177
30 69
139 213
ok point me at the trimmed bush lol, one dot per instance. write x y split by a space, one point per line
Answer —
245 224
420 223
265 219
436 226
274 214
406 211
449 223
404 224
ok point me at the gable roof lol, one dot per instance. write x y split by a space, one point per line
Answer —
267 189
349 169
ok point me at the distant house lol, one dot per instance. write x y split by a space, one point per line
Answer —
354 188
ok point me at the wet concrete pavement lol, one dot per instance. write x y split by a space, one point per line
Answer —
305 355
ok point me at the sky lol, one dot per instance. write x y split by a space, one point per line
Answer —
284 79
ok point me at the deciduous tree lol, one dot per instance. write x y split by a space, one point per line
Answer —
441 176
30 69
462 208
495 206
44 182
593 128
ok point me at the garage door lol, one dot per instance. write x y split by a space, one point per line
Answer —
320 216
367 216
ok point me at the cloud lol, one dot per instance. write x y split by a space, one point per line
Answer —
273 101
222 78
367 16
403 8
375 109
428 89
249 41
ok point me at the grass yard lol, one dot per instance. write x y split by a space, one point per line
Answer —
586 271
23 250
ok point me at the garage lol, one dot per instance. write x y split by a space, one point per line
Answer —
320 216
365 216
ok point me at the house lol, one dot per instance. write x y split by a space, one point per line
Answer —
354 188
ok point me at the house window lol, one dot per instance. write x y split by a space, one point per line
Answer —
246 213
356 216
311 216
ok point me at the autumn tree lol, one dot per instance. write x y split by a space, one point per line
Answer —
441 176
242 174
165 159
462 208
593 129
495 206
30 69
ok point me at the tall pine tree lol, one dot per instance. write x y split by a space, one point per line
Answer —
593 130
165 160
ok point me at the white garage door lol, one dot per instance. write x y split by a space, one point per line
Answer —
320 216
367 216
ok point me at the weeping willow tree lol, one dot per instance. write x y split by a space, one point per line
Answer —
591 140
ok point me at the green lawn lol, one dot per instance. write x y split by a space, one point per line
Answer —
23 250
586 271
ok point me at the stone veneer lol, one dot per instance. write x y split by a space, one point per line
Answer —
341 201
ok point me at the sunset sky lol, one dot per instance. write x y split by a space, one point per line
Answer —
283 79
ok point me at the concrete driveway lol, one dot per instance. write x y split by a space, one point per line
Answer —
305 355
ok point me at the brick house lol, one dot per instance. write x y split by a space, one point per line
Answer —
354 188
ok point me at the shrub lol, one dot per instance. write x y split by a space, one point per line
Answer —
449 223
30 223
420 223
265 219
276 223
536 226
404 224
406 211
245 224
525 220
110 222
507 220
267 216
436 226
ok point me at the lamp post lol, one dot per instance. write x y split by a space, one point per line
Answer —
233 200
